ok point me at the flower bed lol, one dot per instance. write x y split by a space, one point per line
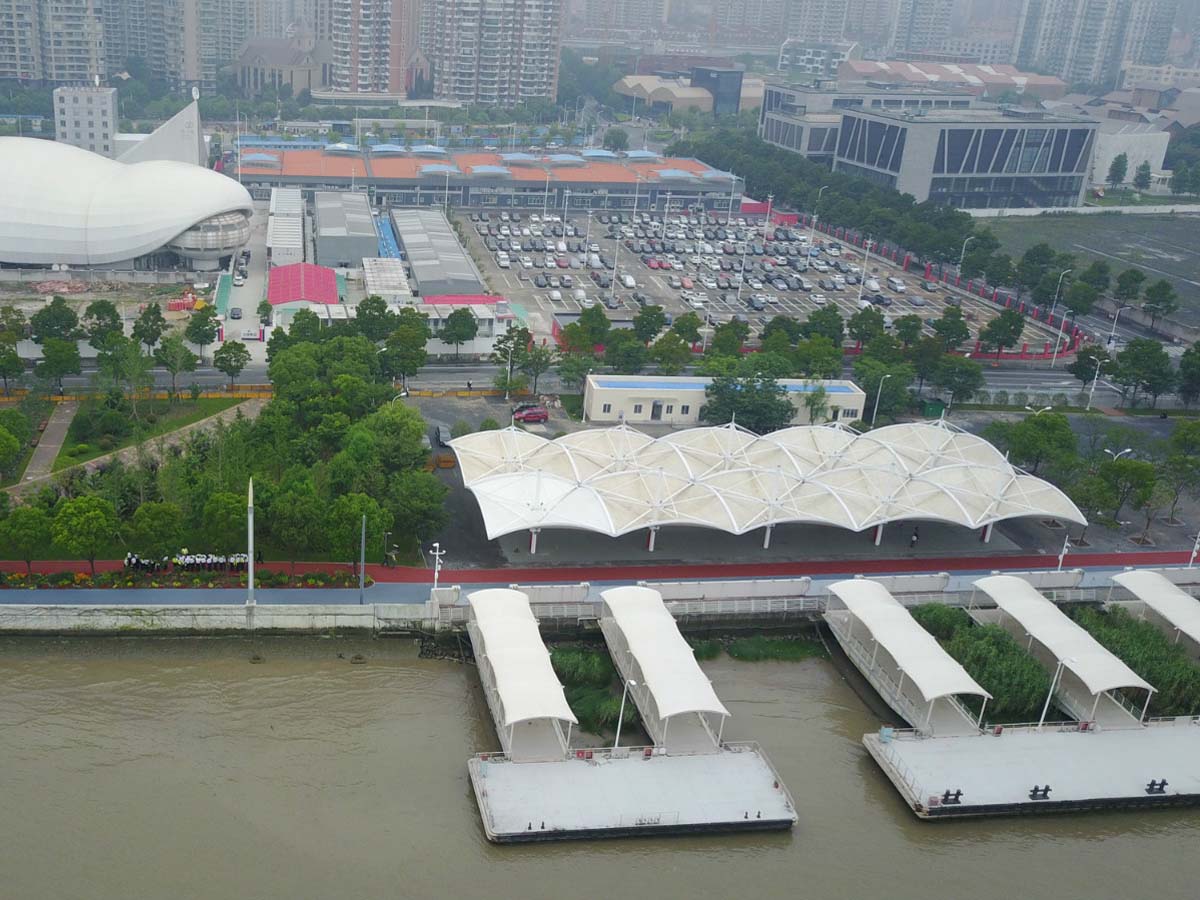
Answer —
263 578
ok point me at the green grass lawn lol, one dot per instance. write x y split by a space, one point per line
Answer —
1136 198
1161 246
168 417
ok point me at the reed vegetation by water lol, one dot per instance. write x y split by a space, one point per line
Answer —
1017 682
592 688
1150 653
760 648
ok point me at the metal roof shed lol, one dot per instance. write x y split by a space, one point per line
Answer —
1173 609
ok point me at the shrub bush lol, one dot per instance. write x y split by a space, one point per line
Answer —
1000 398
489 424
1020 398
705 649
982 397
579 666
459 428
1060 399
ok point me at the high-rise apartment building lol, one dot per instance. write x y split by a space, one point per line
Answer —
817 21
493 52
1080 41
373 44
920 24
870 22
51 41
86 117
749 16
1148 32
626 15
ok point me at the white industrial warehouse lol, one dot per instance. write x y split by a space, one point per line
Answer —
63 205
617 480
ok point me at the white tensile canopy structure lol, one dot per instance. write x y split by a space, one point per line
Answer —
1173 608
617 480
1071 649
865 613
661 670
523 692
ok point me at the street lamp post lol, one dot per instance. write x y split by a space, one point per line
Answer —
508 380
1062 320
1195 551
1038 412
1118 454
437 553
963 253
546 196
1092 390
878 394
863 279
621 715
812 226
1113 332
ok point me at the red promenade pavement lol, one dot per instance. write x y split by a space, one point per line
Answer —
674 572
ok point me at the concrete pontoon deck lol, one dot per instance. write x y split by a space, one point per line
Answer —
997 773
627 792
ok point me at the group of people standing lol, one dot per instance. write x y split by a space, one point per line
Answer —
183 561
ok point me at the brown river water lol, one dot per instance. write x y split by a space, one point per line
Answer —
175 769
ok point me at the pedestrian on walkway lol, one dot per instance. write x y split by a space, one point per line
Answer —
468 385
912 541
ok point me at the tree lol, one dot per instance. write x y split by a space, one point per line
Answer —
10 450
624 352
728 338
231 358
55 320
174 356
925 356
1129 286
649 321
59 358
404 350
536 362
908 329
1182 180
150 326
1144 366
345 527
816 402
670 353
11 364
374 320
758 404
224 521
1091 493
1086 359
865 324
84 526
1003 331
595 326
1037 439
825 321
616 139
687 326
1080 298
951 329
1181 473
891 391
305 328
1000 270
790 328
460 327
101 321
1117 170
573 368
1188 387
1126 477
1141 176
123 365
1033 265
156 529
12 324
417 501
1160 300
818 357
959 377
297 522
201 329
1098 274
25 533
264 311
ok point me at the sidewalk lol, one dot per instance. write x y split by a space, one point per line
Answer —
626 573
41 463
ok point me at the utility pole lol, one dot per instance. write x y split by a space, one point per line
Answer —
362 561
250 545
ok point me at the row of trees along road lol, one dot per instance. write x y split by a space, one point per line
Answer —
330 447
1085 459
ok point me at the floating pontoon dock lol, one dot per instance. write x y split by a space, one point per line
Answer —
1111 758
541 789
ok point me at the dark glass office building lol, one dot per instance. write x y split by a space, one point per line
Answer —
725 85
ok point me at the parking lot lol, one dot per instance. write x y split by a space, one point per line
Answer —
687 263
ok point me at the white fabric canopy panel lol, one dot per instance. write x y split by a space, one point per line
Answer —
667 662
618 480
1078 651
1167 599
525 679
918 654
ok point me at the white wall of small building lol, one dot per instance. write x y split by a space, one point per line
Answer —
1138 147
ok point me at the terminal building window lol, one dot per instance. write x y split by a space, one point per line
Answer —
637 408
606 408
684 410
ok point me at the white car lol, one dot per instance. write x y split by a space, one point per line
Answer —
819 299
526 262
833 251
819 266
754 284
871 284
695 303
238 280
710 283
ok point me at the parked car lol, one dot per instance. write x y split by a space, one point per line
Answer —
929 286
442 433
235 312
531 414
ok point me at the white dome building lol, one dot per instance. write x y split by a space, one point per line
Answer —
63 205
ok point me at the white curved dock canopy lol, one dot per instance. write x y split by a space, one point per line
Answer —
526 685
918 654
1071 645
1179 608
617 480
667 662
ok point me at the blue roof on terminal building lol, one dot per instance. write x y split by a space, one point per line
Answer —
597 154
518 157
675 173
388 148
260 158
642 154
440 169
489 170
341 147
429 150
